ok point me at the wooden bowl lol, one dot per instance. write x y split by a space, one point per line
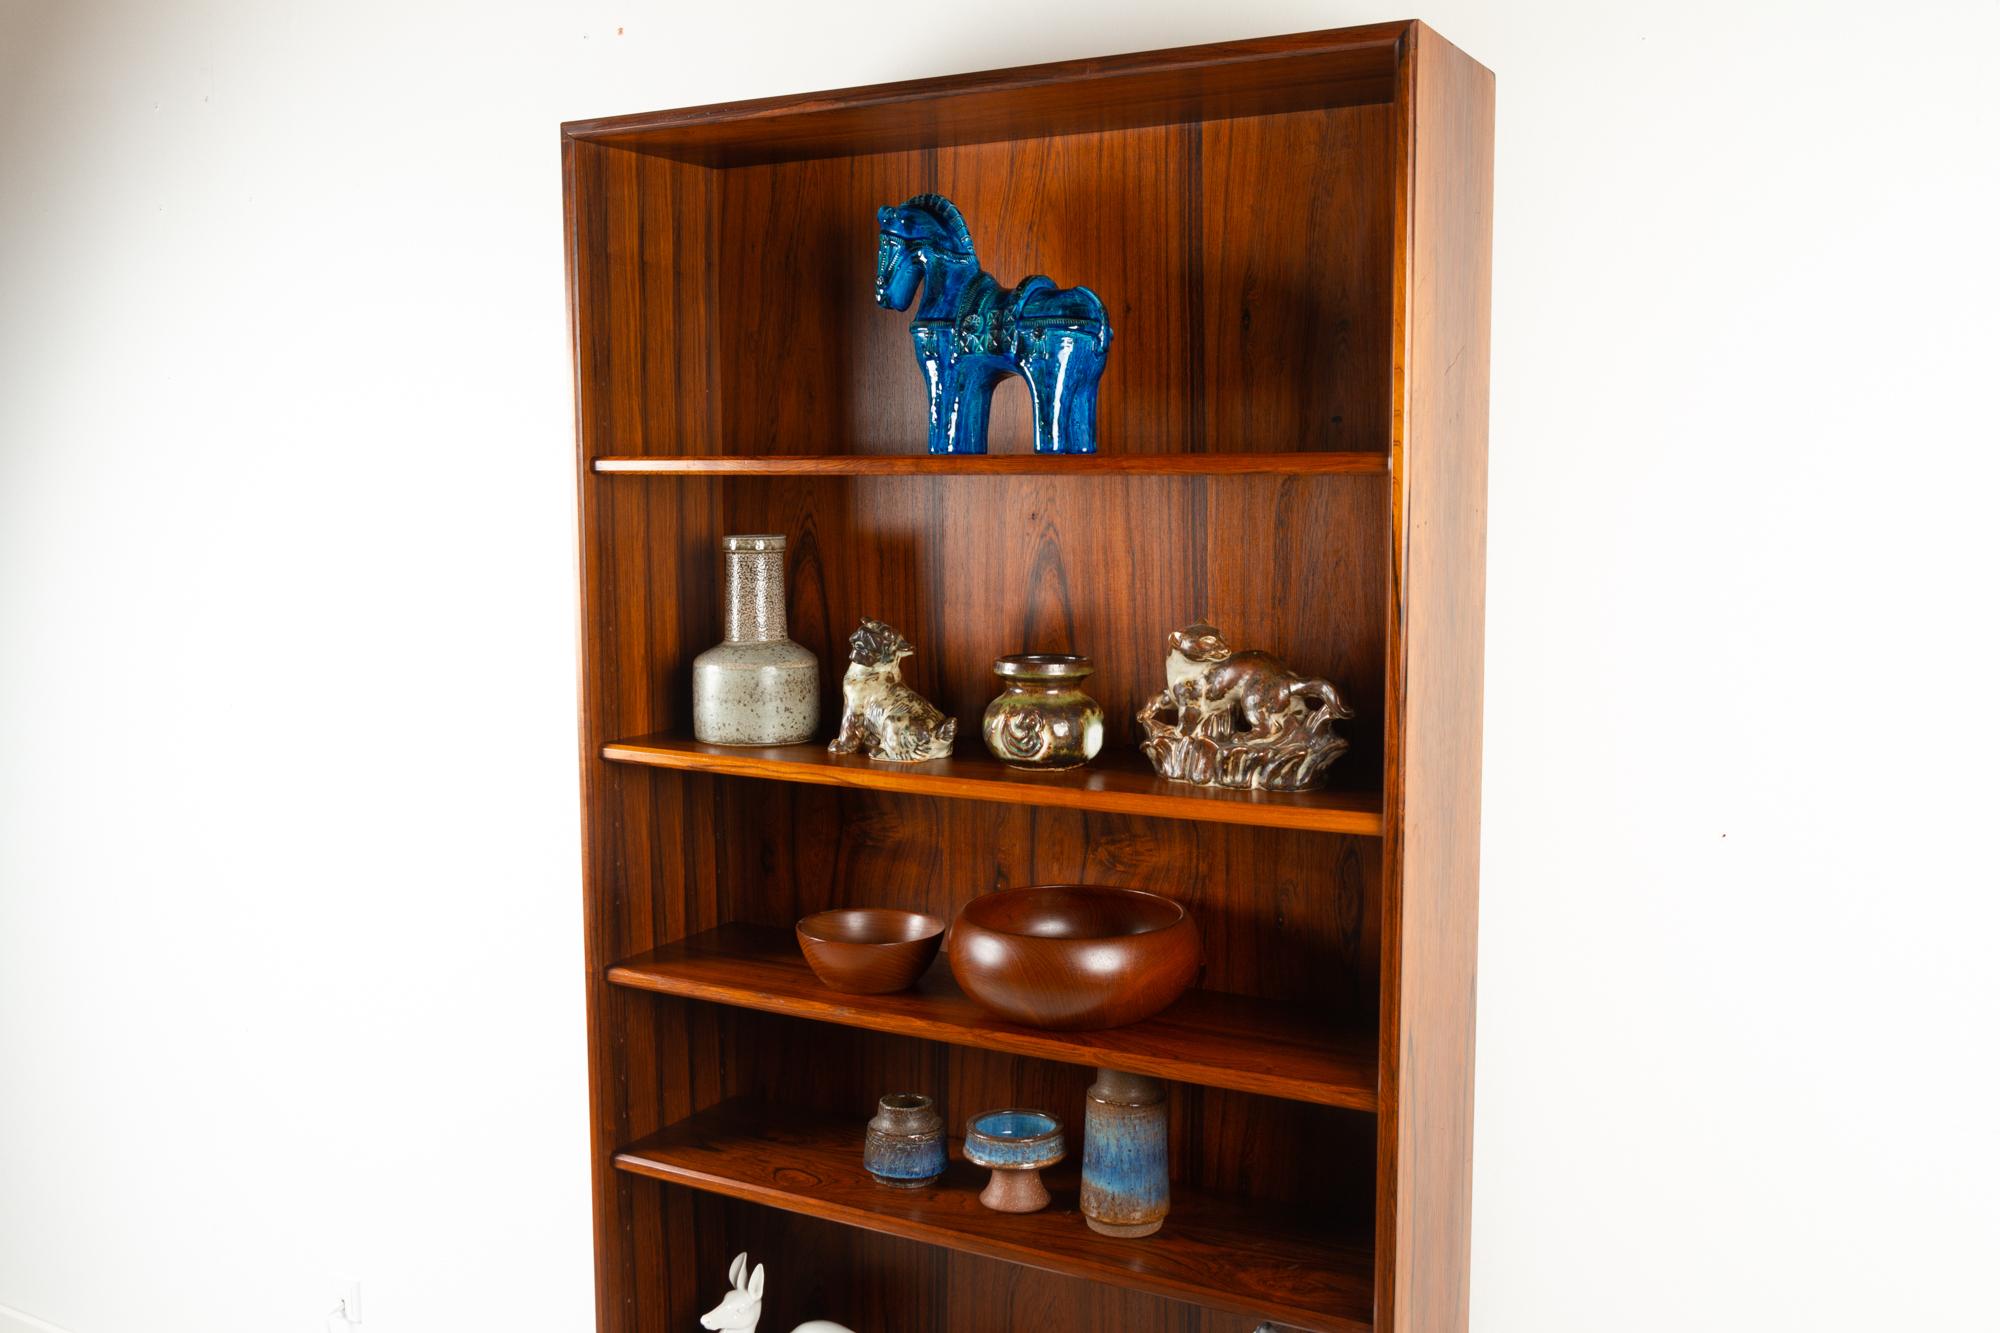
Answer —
869 950
1074 955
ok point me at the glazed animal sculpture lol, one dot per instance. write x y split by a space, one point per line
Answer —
880 716
1230 719
744 1305
970 333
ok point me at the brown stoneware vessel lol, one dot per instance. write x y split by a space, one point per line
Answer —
1074 955
869 950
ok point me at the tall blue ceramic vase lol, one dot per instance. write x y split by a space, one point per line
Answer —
1125 1154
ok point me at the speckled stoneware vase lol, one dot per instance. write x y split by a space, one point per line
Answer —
756 687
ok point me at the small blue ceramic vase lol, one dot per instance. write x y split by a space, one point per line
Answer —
1125 1154
905 1144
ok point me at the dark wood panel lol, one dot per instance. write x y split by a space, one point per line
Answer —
1121 783
1286 917
1206 1037
883 1284
1431 847
1258 76
1227 264
1109 212
972 568
1298 297
1259 1261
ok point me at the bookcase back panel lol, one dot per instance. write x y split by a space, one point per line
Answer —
1293 917
1288 1154
1246 266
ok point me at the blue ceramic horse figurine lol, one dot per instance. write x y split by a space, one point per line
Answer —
970 333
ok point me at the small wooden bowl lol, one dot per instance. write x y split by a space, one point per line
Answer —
869 950
1074 955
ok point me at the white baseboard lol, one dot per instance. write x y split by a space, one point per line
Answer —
18 1321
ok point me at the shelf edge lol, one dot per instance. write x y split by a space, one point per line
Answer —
1041 1046
1199 808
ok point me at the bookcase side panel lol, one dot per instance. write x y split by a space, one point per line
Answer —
1430 927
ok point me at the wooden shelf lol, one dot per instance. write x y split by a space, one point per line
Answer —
1302 463
1118 783
1221 1041
1216 1251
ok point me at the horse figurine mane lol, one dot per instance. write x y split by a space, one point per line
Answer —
970 332
946 213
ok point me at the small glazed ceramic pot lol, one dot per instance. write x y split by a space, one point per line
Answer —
1125 1154
905 1144
1043 719
1016 1144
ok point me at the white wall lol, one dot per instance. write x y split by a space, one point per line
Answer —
289 923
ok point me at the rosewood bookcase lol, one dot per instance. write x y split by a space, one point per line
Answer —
1292 237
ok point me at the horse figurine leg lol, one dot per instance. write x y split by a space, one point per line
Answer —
971 405
1062 377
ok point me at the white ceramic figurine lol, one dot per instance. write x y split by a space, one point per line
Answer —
744 1305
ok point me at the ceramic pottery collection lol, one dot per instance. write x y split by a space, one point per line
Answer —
1042 718
970 332
905 1143
1125 1154
756 687
1225 719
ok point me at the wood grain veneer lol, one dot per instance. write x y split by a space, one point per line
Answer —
1430 910
1120 783
1223 1041
1292 235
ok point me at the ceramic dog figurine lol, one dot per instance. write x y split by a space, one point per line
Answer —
1285 739
744 1305
881 716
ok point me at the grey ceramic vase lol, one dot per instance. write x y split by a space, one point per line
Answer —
756 687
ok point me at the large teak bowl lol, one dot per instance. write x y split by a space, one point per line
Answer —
1074 955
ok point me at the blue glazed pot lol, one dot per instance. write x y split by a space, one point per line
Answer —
905 1144
1016 1145
1125 1154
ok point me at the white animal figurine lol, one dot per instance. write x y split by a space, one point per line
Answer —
744 1305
